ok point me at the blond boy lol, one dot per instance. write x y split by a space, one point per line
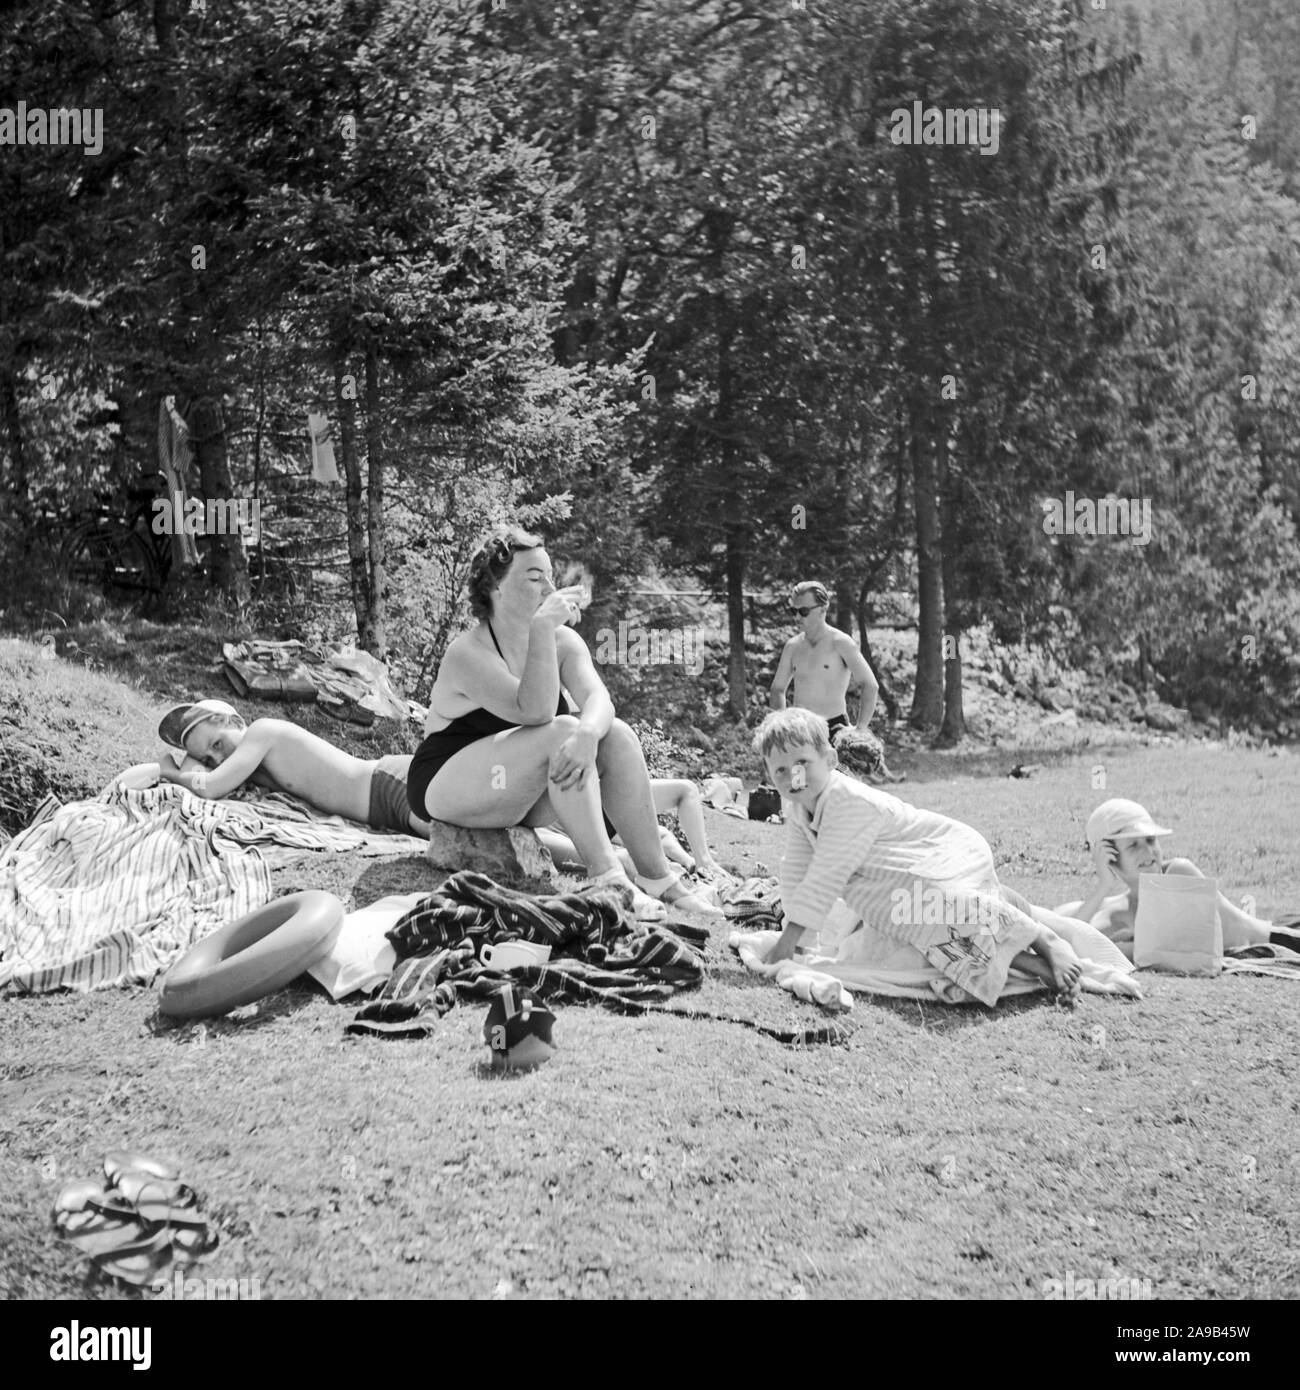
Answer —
914 875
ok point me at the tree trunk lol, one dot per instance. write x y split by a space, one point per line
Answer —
358 568
887 696
1143 662
164 27
927 699
225 549
844 605
375 504
954 719
737 700
17 441
919 345
737 542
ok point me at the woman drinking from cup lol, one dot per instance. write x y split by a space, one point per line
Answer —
502 748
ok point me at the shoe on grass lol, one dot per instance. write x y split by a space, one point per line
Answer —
679 896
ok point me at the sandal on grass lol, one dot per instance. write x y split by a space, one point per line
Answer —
133 1225
192 1243
678 896
140 1262
120 1161
640 906
142 1189
97 1235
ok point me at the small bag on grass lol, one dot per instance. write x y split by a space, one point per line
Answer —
764 801
1177 926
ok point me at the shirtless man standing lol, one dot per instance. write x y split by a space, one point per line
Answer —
222 753
824 664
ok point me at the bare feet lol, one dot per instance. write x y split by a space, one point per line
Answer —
1052 961
710 871
1067 974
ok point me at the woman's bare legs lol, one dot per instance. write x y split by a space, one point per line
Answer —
625 791
680 796
673 850
564 851
504 780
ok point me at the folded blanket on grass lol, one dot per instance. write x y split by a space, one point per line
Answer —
596 957
282 826
112 891
1263 959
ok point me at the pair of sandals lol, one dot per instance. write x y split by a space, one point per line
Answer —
135 1221
653 907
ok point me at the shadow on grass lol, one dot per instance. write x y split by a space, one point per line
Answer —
925 765
273 1008
945 1019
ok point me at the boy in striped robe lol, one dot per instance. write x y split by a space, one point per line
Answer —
916 876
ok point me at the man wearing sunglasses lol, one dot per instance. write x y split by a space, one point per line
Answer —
825 664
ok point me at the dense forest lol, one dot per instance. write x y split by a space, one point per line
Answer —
687 285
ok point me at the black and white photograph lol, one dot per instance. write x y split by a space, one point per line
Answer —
649 651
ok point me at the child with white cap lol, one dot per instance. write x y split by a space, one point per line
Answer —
1125 842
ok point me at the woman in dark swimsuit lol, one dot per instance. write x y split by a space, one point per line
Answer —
501 747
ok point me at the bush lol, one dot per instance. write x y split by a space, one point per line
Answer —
66 731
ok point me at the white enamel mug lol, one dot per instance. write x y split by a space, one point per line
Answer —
510 955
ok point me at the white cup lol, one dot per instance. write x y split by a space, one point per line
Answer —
510 955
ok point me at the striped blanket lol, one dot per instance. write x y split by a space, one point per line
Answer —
112 891
596 958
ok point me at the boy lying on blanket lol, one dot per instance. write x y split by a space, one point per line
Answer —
222 753
913 875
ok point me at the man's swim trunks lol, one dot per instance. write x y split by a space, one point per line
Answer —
835 723
389 808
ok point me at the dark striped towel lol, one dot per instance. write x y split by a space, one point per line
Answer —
595 959
754 905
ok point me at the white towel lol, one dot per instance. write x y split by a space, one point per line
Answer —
362 957
873 962
815 986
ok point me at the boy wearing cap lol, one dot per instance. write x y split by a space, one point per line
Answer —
222 753
1125 842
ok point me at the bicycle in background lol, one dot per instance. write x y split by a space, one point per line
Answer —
114 547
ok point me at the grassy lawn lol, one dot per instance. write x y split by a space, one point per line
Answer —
939 1153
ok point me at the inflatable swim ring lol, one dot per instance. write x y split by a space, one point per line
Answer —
252 957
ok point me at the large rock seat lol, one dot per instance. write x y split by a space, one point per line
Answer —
507 856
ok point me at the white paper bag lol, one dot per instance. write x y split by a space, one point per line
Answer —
1177 925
